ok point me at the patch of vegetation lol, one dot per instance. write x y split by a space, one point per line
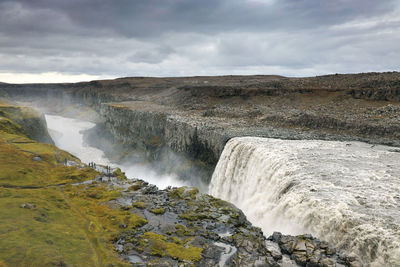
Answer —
139 205
193 193
159 245
158 211
183 231
45 219
48 235
177 193
184 192
105 222
194 216
18 166
119 174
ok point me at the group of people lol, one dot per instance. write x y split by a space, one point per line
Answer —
108 168
93 165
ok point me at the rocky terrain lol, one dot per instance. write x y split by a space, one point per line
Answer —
57 211
180 125
189 120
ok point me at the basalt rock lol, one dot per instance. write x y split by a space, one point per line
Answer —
190 119
187 227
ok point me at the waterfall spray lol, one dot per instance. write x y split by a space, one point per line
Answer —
345 193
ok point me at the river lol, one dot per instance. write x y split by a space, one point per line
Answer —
347 193
67 135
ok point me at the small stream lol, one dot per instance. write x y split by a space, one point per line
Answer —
67 134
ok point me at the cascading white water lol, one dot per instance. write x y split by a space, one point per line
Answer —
345 193
67 135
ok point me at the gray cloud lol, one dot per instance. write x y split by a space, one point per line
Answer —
191 37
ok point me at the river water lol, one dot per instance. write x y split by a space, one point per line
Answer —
67 135
347 193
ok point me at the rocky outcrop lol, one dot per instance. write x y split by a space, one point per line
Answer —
184 226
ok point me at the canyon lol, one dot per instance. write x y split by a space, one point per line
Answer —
182 127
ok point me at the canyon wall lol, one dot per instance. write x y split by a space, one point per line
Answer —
187 121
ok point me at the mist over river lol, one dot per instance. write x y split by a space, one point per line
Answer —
67 134
347 193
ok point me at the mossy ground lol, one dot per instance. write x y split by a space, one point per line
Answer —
175 248
48 217
63 224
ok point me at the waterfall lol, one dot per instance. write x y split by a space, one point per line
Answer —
345 193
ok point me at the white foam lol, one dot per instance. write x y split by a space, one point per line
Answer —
345 193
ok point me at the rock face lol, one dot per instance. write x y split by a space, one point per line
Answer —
191 118
184 226
32 122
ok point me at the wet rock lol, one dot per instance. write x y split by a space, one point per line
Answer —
200 230
306 250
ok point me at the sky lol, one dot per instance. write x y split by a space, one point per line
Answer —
80 40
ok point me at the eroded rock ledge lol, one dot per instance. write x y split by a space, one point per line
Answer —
185 226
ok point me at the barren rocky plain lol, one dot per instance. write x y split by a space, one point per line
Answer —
165 121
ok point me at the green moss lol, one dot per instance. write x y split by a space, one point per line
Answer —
194 216
219 203
184 192
177 240
139 205
183 231
119 174
193 193
8 126
159 246
158 211
101 192
177 193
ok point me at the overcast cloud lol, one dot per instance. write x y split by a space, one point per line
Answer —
70 40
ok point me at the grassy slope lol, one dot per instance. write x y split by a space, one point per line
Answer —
66 225
46 219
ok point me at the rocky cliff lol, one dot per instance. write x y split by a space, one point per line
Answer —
190 119
57 211
32 121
